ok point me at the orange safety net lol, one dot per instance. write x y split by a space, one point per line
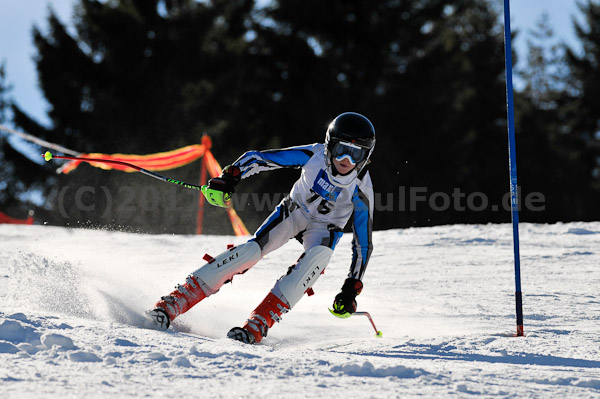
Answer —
4 218
153 162
170 160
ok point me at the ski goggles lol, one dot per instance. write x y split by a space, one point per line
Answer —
352 152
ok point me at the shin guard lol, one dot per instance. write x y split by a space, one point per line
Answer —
301 277
220 270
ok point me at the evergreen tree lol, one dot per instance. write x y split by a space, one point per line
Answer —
19 176
544 153
4 90
581 111
428 74
546 75
7 172
140 76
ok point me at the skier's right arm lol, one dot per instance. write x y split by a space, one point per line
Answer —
253 162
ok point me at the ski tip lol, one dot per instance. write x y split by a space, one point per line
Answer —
47 156
379 334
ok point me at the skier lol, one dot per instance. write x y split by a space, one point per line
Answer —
333 188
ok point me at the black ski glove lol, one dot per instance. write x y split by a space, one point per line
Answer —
230 177
344 303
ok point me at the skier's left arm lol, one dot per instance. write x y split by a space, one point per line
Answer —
362 225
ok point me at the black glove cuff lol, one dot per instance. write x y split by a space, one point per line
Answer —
232 173
352 286
226 182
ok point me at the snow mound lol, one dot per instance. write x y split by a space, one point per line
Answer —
368 370
82 356
60 341
16 332
7 347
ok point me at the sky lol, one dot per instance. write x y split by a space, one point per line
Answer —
17 18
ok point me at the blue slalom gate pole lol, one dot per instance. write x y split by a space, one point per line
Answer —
512 164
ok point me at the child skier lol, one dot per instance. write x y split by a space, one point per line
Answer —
334 187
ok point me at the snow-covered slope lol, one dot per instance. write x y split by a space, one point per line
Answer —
443 298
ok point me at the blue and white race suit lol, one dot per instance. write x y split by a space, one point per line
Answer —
319 205
317 209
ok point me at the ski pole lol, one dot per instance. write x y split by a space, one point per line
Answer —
214 197
378 333
48 156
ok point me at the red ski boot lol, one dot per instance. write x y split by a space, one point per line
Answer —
263 318
177 302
